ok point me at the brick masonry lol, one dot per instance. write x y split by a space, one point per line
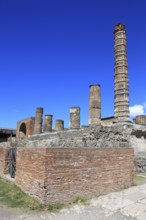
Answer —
3 161
29 124
61 174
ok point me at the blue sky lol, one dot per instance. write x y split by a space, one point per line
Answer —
52 50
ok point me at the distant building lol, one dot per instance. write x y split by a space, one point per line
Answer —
5 133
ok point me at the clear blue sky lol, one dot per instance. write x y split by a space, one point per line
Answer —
52 50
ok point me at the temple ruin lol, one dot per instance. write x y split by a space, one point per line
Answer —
121 89
58 164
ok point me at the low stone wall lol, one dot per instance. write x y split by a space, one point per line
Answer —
61 174
3 160
140 163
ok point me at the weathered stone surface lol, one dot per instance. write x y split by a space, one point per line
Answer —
74 117
122 135
59 125
48 123
95 105
140 119
38 121
140 163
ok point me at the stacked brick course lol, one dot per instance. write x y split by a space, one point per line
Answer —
3 160
29 123
61 174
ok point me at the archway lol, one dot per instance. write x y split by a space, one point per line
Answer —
22 130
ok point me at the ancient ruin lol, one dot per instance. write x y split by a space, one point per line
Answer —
59 125
74 117
5 133
58 164
121 75
48 123
38 121
95 105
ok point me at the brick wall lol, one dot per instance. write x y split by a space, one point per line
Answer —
61 174
29 123
3 160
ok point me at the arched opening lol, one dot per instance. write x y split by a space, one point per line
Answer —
22 130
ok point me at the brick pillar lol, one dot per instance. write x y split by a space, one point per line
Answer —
95 105
121 91
59 125
48 123
38 121
75 117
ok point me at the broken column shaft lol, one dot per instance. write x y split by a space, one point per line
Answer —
48 123
38 121
95 105
59 125
75 117
121 84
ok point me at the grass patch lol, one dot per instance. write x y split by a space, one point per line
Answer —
79 199
55 207
12 196
139 179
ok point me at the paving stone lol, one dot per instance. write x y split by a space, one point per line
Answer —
134 210
142 187
143 201
142 217
112 203
131 190
136 196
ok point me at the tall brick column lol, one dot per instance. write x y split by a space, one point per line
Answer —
48 123
121 91
75 117
38 121
94 105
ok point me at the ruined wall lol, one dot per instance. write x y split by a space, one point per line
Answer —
108 121
61 174
140 119
3 160
138 141
25 127
58 166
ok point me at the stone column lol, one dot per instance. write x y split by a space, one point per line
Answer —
38 121
74 117
121 91
59 125
95 105
48 123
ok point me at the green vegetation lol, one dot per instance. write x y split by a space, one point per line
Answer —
55 207
12 196
79 199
